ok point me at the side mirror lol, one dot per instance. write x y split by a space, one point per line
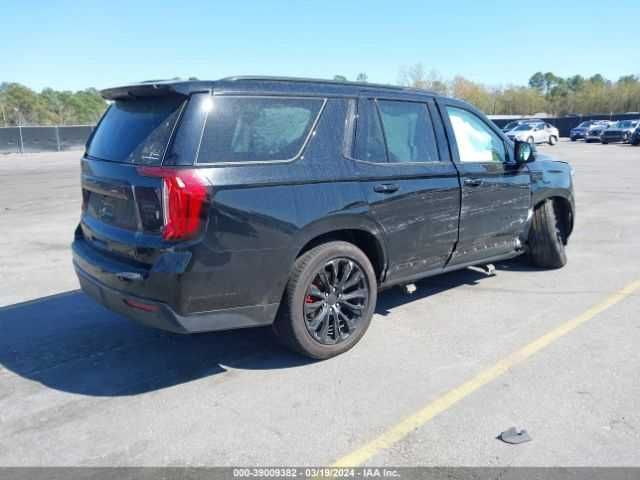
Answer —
524 152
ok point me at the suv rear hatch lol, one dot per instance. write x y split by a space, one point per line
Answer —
131 205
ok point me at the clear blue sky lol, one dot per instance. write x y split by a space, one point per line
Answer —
78 44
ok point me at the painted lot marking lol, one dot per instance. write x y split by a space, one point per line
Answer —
450 398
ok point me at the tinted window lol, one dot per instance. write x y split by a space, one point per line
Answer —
136 131
369 144
408 131
476 141
254 129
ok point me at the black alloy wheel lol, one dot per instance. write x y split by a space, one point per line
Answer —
335 301
329 300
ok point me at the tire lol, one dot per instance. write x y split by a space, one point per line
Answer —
530 141
294 326
604 142
573 139
546 245
553 140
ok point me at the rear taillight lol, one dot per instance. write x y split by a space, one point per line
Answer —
184 195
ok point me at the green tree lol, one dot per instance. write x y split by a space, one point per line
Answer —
20 105
340 78
537 81
628 79
575 83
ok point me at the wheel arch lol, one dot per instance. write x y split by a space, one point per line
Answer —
563 208
363 233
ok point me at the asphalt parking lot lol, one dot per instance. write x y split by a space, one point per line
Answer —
82 386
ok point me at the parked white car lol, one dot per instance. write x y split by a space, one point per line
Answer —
511 125
540 132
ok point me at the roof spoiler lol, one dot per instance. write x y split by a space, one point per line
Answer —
151 89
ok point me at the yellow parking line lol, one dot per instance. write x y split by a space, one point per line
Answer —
447 400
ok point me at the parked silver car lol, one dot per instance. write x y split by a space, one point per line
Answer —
619 131
540 132
594 132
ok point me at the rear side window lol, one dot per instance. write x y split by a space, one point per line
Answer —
137 130
257 129
369 142
408 131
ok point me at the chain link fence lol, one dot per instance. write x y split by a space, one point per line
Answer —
43 138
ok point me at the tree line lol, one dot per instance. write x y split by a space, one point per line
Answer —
20 105
545 92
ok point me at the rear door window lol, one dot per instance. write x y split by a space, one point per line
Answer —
409 132
136 130
369 142
257 129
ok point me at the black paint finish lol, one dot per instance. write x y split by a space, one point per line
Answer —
413 219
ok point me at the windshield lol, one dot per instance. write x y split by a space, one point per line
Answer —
626 124
523 127
585 124
510 125
136 131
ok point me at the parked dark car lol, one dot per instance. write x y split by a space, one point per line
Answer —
620 131
254 201
580 131
635 137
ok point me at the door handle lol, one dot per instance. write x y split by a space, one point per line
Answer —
386 188
472 182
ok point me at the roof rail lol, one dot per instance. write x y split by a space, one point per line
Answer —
267 78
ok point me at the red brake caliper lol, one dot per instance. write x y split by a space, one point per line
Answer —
308 298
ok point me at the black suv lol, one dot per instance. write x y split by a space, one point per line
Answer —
248 201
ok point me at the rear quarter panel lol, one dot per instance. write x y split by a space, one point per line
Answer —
262 215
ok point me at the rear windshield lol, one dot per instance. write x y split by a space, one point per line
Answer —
136 131
256 129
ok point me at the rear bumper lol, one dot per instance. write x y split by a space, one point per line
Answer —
153 295
160 315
